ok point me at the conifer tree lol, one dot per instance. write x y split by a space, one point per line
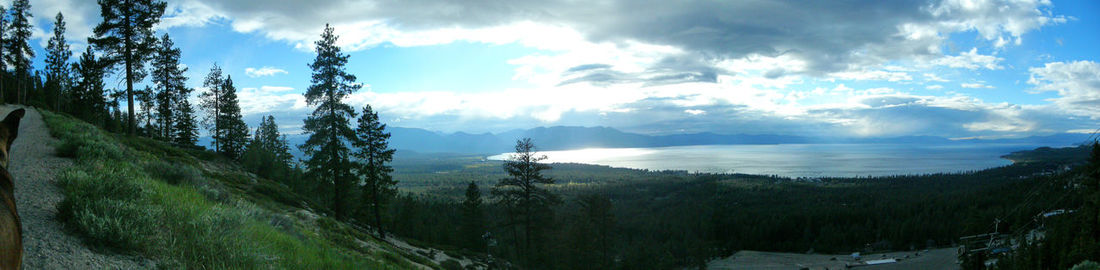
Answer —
18 47
169 78
126 38
372 155
595 228
89 100
211 106
184 125
234 130
57 61
521 193
146 99
473 220
329 126
268 138
268 153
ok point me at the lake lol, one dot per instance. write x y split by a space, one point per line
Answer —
797 160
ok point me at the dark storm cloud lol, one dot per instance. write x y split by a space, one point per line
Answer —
668 70
823 32
827 34
588 67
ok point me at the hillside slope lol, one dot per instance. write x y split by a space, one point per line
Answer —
45 244
186 208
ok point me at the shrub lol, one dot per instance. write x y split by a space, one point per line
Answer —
1086 265
175 173
451 264
105 206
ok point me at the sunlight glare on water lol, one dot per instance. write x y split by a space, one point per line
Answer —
587 155
796 160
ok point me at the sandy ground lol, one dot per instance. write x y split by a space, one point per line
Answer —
45 244
944 258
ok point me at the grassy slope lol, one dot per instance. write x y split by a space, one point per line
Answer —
191 209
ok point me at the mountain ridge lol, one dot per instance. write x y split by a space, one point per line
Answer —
575 137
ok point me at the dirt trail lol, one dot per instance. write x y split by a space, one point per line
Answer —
45 244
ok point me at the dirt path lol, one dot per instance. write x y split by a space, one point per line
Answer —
45 245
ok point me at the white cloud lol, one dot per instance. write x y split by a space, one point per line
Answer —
264 71
1077 84
976 85
932 77
1083 131
996 21
880 75
188 13
80 18
695 112
856 40
269 99
934 87
970 60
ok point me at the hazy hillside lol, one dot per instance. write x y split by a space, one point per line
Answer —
188 208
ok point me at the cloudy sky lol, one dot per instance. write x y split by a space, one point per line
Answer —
952 68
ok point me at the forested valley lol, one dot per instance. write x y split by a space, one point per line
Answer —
523 212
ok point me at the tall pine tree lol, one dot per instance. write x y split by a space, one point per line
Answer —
146 113
234 130
473 220
211 104
521 193
185 127
329 126
18 47
57 62
372 155
268 153
89 100
126 38
268 138
169 78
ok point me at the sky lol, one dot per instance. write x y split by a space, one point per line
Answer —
951 68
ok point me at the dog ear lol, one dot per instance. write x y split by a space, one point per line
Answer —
11 122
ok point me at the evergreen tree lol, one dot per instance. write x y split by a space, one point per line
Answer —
185 128
169 79
591 233
528 203
234 130
267 137
473 220
145 97
372 155
268 154
18 48
126 38
57 62
89 100
210 104
4 21
328 126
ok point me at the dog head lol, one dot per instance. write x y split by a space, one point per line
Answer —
9 128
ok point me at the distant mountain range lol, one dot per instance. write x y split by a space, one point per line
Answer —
566 138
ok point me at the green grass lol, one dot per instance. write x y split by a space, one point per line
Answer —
143 197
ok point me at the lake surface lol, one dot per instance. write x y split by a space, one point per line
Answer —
797 160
